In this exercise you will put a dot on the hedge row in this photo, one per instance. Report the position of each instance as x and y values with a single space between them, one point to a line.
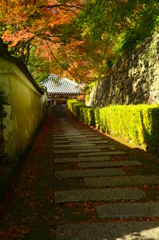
137 123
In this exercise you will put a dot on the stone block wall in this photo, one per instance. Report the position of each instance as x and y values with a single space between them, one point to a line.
134 78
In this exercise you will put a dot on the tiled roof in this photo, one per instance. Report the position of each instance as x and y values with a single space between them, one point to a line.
60 85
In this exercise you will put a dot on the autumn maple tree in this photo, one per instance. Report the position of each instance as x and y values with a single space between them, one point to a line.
77 38
42 31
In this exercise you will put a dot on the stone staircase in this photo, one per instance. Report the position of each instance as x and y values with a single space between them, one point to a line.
117 195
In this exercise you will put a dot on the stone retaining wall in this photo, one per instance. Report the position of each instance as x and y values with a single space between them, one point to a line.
134 78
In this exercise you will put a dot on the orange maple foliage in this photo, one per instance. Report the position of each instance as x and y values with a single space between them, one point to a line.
44 25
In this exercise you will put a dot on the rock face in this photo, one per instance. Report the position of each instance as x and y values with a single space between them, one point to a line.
134 78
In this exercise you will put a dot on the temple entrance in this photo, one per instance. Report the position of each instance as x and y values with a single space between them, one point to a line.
59 99
60 89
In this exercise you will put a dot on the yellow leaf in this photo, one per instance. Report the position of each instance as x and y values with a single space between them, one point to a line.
62 234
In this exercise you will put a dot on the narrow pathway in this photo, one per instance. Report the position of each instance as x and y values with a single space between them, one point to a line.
83 186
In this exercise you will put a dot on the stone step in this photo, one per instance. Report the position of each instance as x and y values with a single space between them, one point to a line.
109 164
101 153
89 173
64 130
84 141
77 151
85 136
109 231
68 141
59 138
77 138
98 195
76 147
82 159
73 130
91 142
72 135
85 130
62 141
128 210
121 181
67 135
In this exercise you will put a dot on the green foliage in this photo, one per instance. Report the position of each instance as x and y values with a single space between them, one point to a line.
110 63
82 40
118 44
88 90
38 66
141 128
145 23
68 30
87 97
90 86
124 24
3 103
82 112
97 118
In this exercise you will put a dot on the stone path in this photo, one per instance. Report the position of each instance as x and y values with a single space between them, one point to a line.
93 159
122 181
76 150
82 159
98 195
101 153
109 231
109 164
89 173
79 184
129 210
92 141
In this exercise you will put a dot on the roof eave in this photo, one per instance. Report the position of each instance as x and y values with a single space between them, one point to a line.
4 53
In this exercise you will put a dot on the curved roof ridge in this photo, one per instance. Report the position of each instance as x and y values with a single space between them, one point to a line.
61 86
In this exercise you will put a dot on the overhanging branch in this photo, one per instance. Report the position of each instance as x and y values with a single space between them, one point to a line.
60 5
59 62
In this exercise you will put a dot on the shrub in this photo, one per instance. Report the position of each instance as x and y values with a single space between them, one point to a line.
138 123
82 112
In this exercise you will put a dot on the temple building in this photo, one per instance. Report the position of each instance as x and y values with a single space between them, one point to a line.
60 89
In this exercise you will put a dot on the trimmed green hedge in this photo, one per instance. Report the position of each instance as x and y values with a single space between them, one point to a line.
82 112
138 123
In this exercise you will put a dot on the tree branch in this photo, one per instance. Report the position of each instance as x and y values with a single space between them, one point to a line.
67 10
60 5
59 62
77 72
25 3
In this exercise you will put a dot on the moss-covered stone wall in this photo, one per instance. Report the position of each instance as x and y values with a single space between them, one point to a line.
134 79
